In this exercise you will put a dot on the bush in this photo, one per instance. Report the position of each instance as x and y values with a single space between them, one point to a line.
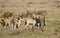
29 2
28 13
41 12
7 14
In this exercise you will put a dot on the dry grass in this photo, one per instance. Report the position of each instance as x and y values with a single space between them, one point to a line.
51 7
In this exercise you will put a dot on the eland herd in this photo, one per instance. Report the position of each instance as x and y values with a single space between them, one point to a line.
15 22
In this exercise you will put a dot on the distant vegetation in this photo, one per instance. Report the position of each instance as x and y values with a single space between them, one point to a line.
57 3
43 2
30 2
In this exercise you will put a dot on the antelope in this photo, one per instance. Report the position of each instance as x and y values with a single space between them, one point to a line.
2 21
20 19
35 20
38 21
14 22
7 21
29 21
17 21
42 19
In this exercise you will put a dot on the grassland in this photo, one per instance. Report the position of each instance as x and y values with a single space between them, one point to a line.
52 28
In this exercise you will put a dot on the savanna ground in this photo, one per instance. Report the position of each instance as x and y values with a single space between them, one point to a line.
52 8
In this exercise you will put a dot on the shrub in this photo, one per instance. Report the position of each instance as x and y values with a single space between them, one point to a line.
28 13
7 14
43 2
29 2
41 12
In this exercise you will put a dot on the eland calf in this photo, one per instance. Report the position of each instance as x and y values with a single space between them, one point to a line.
42 20
29 21
17 21
7 21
